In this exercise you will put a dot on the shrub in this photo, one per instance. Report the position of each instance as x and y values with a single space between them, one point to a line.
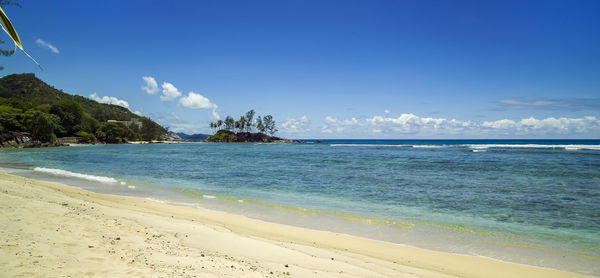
86 137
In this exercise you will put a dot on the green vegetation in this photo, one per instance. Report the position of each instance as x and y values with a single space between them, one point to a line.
240 130
265 124
269 124
29 105
11 51
26 87
116 133
8 27
70 114
86 137
41 125
222 136
259 125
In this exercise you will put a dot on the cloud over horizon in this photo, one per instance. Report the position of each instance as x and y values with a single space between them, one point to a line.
43 44
109 100
177 124
410 124
296 125
570 104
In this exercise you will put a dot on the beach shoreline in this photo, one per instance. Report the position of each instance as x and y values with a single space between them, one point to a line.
50 228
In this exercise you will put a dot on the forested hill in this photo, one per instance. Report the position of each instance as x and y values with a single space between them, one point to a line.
30 106
30 89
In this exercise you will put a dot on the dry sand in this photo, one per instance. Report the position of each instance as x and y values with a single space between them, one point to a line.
52 230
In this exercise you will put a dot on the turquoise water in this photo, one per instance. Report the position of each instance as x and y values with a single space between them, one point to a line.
484 197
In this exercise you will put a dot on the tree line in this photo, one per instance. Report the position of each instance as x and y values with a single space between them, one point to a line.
67 118
246 123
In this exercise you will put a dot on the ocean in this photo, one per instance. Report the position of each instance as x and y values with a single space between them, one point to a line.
526 201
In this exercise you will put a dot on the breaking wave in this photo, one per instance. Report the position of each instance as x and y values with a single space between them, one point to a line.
64 173
481 146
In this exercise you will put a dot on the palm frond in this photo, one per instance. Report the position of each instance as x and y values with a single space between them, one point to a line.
10 30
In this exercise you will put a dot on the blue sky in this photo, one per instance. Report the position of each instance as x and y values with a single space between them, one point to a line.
330 69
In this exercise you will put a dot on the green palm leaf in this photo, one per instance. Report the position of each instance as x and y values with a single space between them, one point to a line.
10 30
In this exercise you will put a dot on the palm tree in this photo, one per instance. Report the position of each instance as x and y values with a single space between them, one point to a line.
229 123
219 124
249 119
242 122
259 125
212 126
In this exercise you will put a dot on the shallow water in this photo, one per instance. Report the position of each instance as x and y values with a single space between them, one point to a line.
528 201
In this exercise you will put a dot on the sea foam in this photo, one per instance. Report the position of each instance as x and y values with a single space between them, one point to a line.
64 173
533 146
480 146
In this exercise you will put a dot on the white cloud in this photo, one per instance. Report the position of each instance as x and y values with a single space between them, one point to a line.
169 92
546 126
386 111
44 44
413 124
198 101
151 87
410 123
571 104
296 125
177 124
138 112
110 100
335 125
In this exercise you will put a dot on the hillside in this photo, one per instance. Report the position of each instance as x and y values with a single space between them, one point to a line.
39 112
30 89
192 137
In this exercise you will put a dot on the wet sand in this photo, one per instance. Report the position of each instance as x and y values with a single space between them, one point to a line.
52 230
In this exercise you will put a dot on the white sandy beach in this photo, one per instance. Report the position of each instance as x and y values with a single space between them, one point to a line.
52 230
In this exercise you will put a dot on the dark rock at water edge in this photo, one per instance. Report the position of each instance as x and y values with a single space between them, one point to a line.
225 136
14 139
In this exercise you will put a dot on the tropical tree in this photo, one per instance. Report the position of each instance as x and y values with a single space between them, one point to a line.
241 124
229 123
269 124
249 120
219 124
259 125
88 124
150 130
9 119
41 125
115 133
70 114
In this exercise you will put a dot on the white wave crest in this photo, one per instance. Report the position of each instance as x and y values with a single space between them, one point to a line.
368 145
482 146
59 172
431 146
533 146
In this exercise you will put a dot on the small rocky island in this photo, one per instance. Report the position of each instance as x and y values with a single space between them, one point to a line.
232 131
226 136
